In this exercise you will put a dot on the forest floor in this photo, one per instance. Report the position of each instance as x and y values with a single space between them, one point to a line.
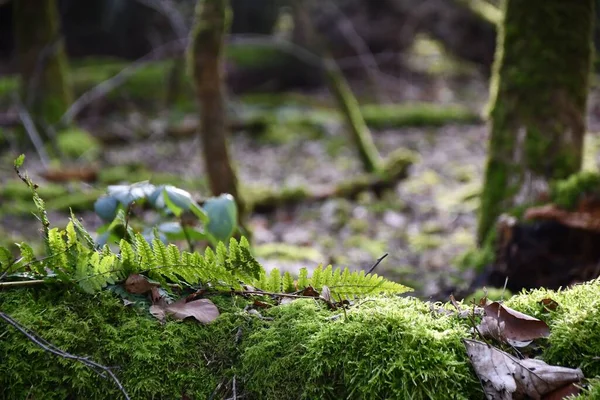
425 224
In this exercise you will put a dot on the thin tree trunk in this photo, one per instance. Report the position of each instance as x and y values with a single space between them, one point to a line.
206 60
538 101
45 87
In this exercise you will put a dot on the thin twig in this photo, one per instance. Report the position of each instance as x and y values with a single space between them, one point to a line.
234 389
32 132
377 263
49 347
102 89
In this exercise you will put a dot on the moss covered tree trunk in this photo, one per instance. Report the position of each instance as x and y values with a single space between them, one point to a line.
42 61
207 66
538 101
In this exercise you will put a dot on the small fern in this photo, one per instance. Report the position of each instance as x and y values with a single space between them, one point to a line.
343 284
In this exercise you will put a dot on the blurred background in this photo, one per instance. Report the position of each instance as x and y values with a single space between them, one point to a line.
123 109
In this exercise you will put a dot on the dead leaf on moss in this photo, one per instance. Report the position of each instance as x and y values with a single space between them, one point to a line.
505 324
138 284
505 377
549 304
203 310
310 291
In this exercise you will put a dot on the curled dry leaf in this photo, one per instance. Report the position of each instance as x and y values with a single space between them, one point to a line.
203 310
138 284
504 323
504 377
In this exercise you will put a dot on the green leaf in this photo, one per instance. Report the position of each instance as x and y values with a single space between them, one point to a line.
19 161
126 194
222 214
177 200
6 257
106 207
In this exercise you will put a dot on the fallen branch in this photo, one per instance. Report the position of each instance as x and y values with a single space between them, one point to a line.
99 369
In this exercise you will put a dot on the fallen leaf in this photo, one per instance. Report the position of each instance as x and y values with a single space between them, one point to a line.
310 291
203 310
326 293
504 323
138 284
504 377
549 304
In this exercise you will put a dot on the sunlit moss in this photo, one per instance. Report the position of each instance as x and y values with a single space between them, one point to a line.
415 114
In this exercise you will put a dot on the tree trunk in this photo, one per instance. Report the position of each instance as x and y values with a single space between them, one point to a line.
206 58
538 102
45 87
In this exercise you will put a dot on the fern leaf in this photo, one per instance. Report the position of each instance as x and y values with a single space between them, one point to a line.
274 281
288 283
144 252
71 234
58 261
316 280
82 233
328 276
303 278
128 259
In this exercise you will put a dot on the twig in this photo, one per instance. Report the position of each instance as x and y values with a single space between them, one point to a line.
105 87
49 347
234 389
377 263
366 58
32 132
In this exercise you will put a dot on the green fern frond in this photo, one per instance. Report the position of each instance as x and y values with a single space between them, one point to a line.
275 281
303 278
288 283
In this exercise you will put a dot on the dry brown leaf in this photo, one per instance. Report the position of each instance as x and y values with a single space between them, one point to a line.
310 291
203 310
504 377
504 323
549 304
138 284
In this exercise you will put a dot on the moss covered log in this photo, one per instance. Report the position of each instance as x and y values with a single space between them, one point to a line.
42 61
382 347
538 101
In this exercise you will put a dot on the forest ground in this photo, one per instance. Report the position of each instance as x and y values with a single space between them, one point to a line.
425 224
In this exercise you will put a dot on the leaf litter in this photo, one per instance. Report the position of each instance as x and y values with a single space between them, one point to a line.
505 377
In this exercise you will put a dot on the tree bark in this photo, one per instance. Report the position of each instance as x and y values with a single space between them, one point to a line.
206 60
45 87
538 102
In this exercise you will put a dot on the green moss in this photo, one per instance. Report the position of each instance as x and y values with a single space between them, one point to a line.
15 189
78 144
381 347
61 200
285 251
574 337
385 348
153 360
566 193
415 114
